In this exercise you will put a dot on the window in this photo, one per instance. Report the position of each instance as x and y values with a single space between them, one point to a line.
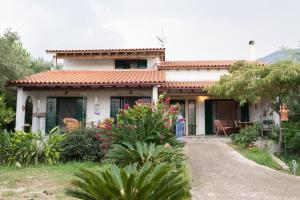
131 64
116 103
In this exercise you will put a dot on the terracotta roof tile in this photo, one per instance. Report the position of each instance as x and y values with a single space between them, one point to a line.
92 78
217 64
186 84
105 50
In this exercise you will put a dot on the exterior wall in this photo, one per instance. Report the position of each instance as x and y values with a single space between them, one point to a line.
103 99
194 75
261 111
91 64
99 64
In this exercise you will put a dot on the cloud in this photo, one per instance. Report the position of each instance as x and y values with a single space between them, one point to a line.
195 29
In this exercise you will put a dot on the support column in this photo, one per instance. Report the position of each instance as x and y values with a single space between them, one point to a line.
154 93
20 109
200 115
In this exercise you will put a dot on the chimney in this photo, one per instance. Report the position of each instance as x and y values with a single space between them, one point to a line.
252 51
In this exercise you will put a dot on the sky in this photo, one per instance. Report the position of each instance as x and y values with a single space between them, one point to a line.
194 29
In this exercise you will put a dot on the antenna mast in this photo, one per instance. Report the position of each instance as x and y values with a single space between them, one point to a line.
161 40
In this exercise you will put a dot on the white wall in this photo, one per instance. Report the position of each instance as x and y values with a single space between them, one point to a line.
194 75
91 64
103 96
98 64
262 111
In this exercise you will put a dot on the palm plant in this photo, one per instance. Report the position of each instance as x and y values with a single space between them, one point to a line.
130 183
142 152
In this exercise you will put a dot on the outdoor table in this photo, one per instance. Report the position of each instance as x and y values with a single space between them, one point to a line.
245 124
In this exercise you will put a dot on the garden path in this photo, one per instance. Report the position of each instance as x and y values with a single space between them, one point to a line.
218 172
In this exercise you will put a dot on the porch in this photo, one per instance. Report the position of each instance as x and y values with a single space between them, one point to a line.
201 111
89 106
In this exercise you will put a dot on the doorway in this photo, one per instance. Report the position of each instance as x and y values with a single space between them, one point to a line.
59 108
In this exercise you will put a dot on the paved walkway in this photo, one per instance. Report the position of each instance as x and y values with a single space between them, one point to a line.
220 173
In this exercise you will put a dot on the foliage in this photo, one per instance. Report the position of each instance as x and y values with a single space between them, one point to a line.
6 114
260 156
142 122
33 147
4 143
130 183
14 59
15 62
249 82
247 135
292 131
142 152
81 144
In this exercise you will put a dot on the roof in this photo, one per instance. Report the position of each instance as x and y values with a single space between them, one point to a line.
109 53
198 64
106 50
187 84
71 78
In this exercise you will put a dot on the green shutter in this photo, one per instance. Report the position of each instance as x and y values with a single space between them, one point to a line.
51 118
208 117
80 110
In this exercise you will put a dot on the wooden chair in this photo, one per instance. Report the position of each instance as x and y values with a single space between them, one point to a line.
222 126
71 124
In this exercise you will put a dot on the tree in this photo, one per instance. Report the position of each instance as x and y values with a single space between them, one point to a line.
14 59
16 62
246 82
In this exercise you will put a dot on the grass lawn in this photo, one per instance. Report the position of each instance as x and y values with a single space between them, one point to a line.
41 181
260 156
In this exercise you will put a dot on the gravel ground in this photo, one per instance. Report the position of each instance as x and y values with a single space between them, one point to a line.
220 173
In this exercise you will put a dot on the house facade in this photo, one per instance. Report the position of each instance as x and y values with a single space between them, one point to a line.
95 84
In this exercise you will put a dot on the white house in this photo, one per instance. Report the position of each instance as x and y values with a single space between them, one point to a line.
95 84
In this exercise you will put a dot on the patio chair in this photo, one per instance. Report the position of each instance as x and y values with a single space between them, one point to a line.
222 126
71 124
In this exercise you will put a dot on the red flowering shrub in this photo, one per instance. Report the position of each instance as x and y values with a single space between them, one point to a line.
142 122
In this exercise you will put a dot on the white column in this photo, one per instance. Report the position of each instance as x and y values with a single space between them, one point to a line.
20 109
154 93
200 116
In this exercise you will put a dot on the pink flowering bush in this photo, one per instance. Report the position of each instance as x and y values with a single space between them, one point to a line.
144 122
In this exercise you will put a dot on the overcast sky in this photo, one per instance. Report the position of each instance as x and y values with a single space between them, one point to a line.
194 29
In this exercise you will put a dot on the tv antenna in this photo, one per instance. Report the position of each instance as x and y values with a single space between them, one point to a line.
161 40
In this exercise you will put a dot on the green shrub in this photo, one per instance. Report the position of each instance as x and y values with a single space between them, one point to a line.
33 147
142 122
4 143
142 153
292 130
247 135
130 183
81 144
7 114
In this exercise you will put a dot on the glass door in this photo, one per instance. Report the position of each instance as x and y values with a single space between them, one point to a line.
192 117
